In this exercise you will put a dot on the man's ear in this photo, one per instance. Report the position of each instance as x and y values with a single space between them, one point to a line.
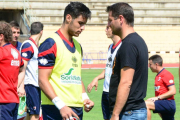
68 18
41 32
157 64
121 19
1 37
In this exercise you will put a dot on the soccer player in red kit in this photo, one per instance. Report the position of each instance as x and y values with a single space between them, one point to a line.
163 102
10 66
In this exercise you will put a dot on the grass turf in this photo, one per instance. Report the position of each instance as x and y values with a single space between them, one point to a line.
96 113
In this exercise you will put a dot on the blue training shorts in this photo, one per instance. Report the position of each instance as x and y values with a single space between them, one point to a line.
33 99
50 112
105 105
166 108
8 111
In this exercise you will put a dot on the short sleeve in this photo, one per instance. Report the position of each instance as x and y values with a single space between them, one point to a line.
27 51
128 55
47 54
168 80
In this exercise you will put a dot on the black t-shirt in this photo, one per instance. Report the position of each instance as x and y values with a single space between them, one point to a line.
133 53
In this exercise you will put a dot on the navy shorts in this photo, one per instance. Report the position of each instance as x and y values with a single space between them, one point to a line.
8 111
33 99
166 108
50 112
105 105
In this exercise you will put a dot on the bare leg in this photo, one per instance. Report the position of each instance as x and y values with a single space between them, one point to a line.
31 117
34 117
148 114
150 106
27 117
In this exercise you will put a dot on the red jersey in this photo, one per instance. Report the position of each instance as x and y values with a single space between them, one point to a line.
163 80
10 63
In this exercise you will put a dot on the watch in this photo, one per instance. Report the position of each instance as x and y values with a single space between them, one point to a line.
158 97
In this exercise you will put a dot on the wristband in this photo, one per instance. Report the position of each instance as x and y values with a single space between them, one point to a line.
58 103
158 97
84 96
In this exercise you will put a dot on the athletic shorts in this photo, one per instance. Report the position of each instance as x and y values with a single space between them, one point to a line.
50 112
105 105
8 111
166 108
33 99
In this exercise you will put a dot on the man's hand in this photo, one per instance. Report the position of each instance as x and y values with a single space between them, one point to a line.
114 117
88 105
92 84
21 91
153 99
67 113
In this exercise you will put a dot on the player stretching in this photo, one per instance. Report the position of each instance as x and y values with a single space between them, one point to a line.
163 102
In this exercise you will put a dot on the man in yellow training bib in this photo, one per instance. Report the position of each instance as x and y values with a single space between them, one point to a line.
59 60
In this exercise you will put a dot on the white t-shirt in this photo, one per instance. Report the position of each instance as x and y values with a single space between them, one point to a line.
109 65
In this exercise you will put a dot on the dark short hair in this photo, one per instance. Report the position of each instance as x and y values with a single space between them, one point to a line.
36 28
5 29
14 24
123 9
156 59
75 9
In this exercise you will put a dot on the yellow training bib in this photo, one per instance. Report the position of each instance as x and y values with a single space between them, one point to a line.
66 75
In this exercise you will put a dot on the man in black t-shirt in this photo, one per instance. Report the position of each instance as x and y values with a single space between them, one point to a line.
128 82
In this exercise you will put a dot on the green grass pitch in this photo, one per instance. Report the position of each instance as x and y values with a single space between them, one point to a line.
96 112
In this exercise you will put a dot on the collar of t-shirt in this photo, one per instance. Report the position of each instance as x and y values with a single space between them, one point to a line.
6 44
160 71
114 46
71 44
33 41
129 35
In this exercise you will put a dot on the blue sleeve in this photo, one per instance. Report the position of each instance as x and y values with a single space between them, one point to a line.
27 51
47 54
